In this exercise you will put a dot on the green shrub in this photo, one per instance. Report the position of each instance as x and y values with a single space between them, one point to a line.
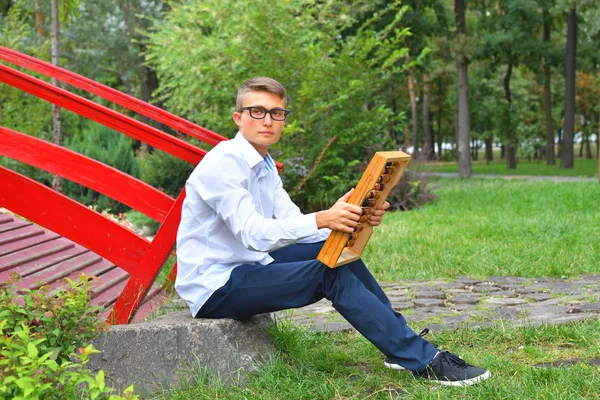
44 344
109 147
165 172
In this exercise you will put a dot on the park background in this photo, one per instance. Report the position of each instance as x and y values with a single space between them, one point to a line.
364 76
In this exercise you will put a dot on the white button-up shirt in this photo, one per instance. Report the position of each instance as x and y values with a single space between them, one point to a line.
235 212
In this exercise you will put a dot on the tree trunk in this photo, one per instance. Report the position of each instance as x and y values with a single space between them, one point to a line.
56 111
440 139
566 160
550 159
40 20
427 131
393 130
489 150
464 134
511 161
415 119
588 149
406 138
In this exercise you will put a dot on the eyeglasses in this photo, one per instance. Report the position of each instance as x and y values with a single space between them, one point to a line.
257 112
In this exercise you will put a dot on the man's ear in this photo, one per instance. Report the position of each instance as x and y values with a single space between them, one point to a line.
237 118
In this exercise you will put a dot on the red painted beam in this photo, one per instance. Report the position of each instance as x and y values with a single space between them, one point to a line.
85 171
101 114
68 218
139 283
112 95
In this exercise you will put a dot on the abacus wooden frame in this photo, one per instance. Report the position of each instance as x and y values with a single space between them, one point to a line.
335 251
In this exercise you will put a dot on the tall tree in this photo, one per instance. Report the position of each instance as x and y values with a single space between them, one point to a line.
57 137
566 159
414 113
462 63
550 156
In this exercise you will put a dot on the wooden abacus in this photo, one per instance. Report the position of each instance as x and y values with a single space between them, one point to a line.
382 174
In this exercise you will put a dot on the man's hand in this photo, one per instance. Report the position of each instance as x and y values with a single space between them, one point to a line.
376 215
341 216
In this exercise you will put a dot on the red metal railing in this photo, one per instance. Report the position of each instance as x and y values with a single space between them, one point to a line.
140 258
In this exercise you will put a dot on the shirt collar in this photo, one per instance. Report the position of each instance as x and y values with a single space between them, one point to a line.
253 157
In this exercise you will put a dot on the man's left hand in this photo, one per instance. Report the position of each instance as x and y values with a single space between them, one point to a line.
376 215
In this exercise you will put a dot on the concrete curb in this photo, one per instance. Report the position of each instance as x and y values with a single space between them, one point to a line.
177 349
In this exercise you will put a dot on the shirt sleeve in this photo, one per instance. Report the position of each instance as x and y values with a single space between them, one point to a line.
284 206
223 185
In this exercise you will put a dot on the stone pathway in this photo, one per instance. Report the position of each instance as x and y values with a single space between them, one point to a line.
474 303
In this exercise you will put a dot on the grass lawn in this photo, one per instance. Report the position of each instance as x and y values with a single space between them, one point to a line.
489 227
476 228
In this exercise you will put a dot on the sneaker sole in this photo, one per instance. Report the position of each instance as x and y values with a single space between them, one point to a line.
394 366
466 382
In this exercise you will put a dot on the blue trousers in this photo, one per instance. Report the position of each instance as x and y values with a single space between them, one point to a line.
296 279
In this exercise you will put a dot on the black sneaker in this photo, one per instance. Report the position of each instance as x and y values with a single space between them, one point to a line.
451 370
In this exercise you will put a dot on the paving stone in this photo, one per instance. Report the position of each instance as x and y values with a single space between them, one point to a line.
592 307
505 293
430 295
465 299
508 313
462 307
402 306
507 279
467 281
455 291
509 286
527 290
429 311
428 303
485 289
538 296
399 299
397 292
504 301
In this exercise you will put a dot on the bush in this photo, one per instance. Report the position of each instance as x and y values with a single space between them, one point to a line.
109 147
44 344
165 172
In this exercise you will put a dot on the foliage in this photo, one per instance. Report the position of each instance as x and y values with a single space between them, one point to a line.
109 147
334 82
18 110
165 172
44 346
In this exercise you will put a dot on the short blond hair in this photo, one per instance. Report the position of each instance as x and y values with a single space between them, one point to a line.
260 84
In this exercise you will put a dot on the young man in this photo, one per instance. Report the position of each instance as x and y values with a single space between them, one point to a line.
244 248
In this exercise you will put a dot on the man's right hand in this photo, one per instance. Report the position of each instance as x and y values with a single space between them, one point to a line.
341 216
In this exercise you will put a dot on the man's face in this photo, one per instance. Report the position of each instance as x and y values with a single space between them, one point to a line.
261 133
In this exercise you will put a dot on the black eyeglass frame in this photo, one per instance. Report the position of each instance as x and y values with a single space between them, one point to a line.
285 112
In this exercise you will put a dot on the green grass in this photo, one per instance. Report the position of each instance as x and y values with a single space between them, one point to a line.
489 227
548 362
582 167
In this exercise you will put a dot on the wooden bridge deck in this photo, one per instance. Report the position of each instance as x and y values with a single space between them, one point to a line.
42 257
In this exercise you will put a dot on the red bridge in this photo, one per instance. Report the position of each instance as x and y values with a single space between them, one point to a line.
76 239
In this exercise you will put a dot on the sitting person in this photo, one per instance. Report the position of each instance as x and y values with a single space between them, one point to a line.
244 248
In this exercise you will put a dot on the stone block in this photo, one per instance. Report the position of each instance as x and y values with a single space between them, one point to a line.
172 349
